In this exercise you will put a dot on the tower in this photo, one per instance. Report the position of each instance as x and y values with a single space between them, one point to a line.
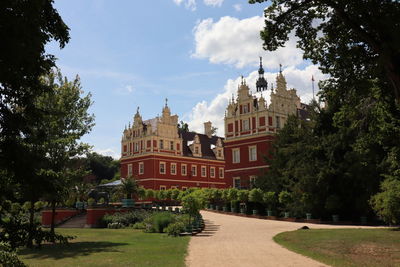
261 83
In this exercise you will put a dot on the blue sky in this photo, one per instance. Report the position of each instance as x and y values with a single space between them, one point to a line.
137 53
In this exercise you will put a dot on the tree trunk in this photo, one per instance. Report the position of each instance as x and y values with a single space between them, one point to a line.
31 225
53 217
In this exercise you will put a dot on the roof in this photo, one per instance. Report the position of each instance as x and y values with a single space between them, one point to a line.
205 141
115 183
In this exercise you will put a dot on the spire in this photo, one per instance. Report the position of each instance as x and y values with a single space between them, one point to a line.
280 68
166 102
261 84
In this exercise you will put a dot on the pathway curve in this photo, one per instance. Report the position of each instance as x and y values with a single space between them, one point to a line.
239 241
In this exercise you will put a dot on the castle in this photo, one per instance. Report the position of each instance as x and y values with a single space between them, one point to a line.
161 156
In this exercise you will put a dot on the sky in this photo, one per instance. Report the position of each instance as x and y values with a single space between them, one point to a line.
131 54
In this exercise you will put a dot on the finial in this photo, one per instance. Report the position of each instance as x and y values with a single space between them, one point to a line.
129 125
233 98
242 78
280 68
260 62
166 102
244 81
272 87
137 110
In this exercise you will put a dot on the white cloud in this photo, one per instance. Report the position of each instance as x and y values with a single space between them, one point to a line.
233 41
213 2
125 90
108 152
189 4
215 110
237 7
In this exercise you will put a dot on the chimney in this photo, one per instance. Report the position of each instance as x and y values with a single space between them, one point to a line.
207 129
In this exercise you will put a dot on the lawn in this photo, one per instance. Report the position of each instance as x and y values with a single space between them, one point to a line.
110 247
346 247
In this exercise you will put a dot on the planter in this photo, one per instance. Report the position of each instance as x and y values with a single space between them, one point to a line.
177 210
335 218
287 214
270 213
234 210
170 209
127 203
225 209
363 219
255 212
212 206
216 207
308 216
242 210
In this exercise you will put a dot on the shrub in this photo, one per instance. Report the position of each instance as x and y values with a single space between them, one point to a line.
139 225
91 201
270 199
125 218
256 195
161 220
115 225
8 257
174 229
243 195
285 198
387 203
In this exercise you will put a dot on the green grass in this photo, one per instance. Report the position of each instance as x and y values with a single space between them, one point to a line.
110 247
345 247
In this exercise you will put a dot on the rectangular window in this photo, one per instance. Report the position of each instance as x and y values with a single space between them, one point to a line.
184 188
236 155
136 147
262 121
196 150
162 167
278 122
148 143
161 144
219 153
171 145
230 127
183 170
236 182
203 171
129 170
245 109
252 181
194 170
212 172
163 187
174 187
173 168
252 153
221 172
141 168
246 125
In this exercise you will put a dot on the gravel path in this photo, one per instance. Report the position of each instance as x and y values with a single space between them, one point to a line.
239 241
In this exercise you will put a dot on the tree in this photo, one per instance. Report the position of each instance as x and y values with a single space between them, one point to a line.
348 39
103 167
26 26
387 202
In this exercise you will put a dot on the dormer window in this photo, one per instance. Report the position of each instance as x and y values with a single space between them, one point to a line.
196 150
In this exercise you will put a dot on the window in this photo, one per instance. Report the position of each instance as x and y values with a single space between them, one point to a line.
219 153
278 122
184 188
161 144
252 153
183 169
174 187
194 170
203 171
129 170
171 145
212 172
245 109
196 150
141 168
162 167
246 125
221 172
236 155
236 182
163 187
136 147
252 181
173 168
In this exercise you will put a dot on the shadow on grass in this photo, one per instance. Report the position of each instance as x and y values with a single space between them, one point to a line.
75 249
